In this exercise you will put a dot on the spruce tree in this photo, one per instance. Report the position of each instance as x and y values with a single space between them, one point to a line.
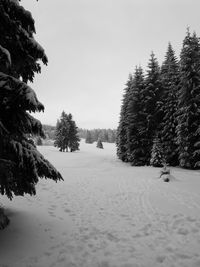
21 165
66 137
188 129
152 103
88 139
121 137
99 143
59 142
170 83
73 134
136 121
157 155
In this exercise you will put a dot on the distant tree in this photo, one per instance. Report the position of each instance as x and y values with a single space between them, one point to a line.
104 135
73 135
49 131
99 143
170 83
96 133
111 136
88 138
21 164
188 129
121 139
66 136
59 133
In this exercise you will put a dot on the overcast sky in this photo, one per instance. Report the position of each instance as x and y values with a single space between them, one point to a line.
93 45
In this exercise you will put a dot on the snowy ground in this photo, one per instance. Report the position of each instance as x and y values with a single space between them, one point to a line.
105 214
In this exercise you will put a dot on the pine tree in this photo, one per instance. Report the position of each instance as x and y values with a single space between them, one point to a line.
121 138
157 156
21 165
88 138
136 121
73 135
170 83
66 136
188 129
99 143
96 134
152 103
58 136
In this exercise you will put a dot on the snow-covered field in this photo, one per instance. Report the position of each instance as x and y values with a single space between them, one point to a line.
105 214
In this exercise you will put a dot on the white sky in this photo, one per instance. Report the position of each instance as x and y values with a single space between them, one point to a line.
93 45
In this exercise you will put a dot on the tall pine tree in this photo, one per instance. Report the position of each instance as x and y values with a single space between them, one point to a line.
170 83
136 121
21 164
152 103
73 134
188 129
121 138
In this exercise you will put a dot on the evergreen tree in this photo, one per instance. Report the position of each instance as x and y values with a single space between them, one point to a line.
58 136
99 143
188 129
170 83
88 138
157 156
96 134
112 136
136 121
104 135
73 135
21 164
66 136
121 138
152 103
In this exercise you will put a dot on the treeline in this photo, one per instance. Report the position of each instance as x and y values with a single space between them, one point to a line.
106 135
49 131
160 112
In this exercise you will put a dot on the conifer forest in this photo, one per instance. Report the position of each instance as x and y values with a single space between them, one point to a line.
160 112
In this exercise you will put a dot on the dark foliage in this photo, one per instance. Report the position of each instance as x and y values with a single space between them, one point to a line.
188 129
153 103
21 164
170 83
136 121
66 136
121 139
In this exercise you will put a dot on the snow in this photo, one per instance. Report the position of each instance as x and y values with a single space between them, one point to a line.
105 214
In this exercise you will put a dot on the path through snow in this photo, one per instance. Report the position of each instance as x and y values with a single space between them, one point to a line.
105 214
